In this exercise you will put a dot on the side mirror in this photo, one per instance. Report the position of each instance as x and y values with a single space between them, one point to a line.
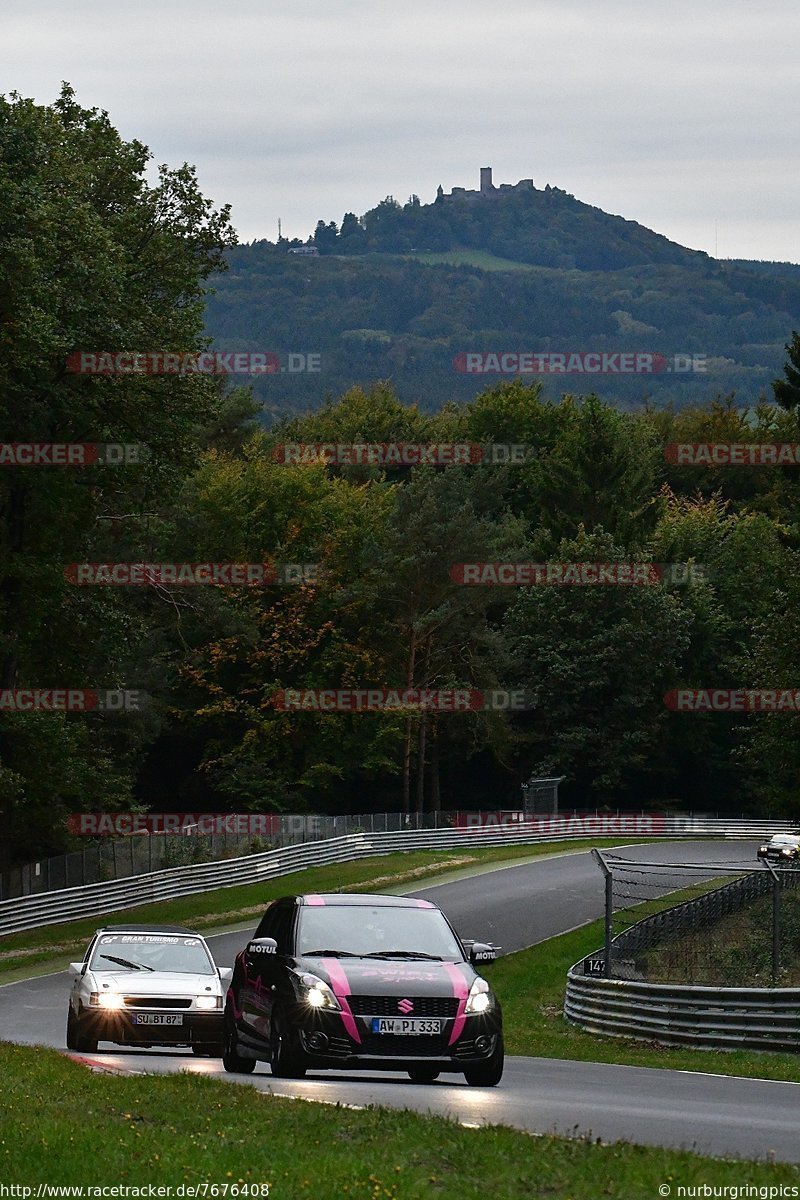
482 952
76 970
226 975
260 947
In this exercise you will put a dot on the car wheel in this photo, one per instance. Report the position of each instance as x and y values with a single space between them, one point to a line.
423 1074
286 1057
76 1038
232 1060
489 1073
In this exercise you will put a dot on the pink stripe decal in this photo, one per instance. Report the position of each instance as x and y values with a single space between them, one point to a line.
423 904
461 991
315 901
340 988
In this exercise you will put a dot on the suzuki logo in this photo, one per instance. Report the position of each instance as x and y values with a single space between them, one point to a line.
405 1006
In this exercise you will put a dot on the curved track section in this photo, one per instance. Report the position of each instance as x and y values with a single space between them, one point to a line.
515 906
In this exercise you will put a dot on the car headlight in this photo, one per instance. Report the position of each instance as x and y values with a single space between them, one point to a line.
110 1000
787 853
315 992
479 999
208 1002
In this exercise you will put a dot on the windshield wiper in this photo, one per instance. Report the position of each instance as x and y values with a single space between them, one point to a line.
125 962
403 954
329 954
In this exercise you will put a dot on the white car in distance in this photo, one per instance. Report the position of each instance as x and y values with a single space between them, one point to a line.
147 985
782 847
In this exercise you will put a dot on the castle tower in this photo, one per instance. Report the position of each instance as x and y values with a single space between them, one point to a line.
486 180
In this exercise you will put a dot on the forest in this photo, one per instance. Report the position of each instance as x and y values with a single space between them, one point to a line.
350 573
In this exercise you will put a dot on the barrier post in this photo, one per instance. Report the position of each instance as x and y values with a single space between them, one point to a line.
609 907
776 921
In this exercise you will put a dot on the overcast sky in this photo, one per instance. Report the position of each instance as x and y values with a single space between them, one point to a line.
682 116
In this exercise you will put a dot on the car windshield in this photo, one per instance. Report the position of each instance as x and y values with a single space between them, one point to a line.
381 931
785 839
147 952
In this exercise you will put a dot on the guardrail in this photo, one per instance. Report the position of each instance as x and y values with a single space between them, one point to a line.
234 835
681 1014
96 899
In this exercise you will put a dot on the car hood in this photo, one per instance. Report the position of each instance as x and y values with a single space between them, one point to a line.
377 977
158 983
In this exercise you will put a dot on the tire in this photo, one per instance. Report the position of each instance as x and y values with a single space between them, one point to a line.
76 1038
286 1058
423 1074
489 1073
232 1060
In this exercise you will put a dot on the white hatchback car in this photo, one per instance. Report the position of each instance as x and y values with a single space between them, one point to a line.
146 985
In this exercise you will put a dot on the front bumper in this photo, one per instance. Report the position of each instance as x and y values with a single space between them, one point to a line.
123 1028
387 1052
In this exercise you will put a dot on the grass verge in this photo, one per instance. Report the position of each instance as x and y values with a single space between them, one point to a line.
97 1130
531 986
52 945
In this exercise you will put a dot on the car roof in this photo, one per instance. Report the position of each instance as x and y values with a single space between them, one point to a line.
358 900
148 929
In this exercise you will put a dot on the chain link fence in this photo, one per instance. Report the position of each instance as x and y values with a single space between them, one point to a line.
104 859
728 924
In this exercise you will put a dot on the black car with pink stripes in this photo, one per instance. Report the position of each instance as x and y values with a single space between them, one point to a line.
354 982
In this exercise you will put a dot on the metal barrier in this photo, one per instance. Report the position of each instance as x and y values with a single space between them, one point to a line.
759 1018
681 1014
31 912
109 858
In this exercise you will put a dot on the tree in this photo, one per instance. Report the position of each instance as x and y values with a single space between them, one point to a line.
787 391
92 259
437 633
596 661
325 237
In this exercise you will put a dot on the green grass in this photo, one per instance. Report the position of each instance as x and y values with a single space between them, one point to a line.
471 258
21 954
531 984
97 1129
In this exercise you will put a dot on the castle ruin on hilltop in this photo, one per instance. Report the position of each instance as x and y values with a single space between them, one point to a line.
487 190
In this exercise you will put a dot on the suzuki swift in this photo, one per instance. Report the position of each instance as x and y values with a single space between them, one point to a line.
353 982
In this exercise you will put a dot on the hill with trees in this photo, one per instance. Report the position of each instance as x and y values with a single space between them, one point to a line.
99 257
403 292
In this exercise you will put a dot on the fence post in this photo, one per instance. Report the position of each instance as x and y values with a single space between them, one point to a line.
609 906
776 921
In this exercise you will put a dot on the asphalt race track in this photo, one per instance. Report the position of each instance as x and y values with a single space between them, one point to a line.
515 906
